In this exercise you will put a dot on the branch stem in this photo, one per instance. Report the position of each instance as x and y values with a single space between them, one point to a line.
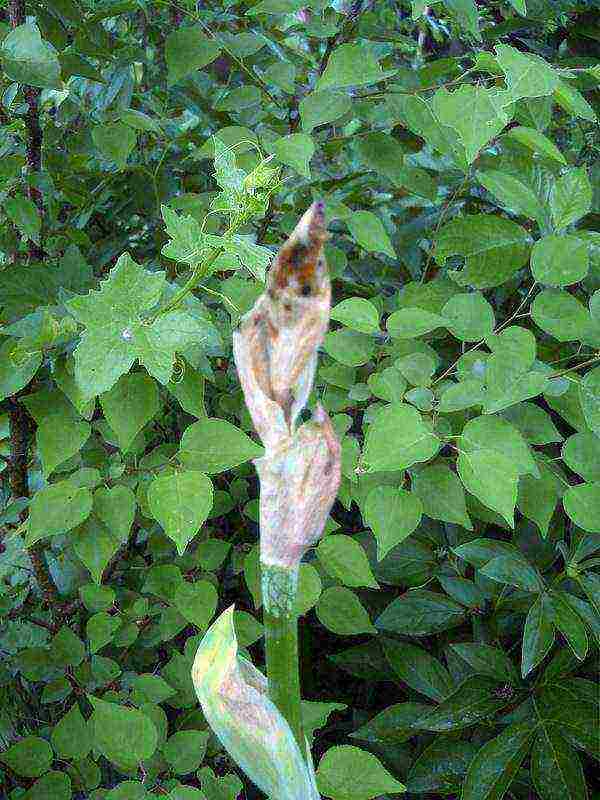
279 591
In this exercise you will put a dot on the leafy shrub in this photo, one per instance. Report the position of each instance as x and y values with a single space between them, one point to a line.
153 157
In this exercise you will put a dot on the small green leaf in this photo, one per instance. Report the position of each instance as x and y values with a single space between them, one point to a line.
213 445
571 198
367 231
589 395
348 773
71 737
352 65
184 751
344 559
295 150
100 629
392 514
197 602
123 735
358 314
15 371
29 59
23 213
115 506
537 142
115 141
492 478
538 636
56 509
418 669
469 316
397 438
349 347
556 770
181 503
559 260
496 764
582 504
28 757
321 108
188 49
513 193
442 495
581 453
474 699
129 405
560 314
340 610
410 323
420 613
568 623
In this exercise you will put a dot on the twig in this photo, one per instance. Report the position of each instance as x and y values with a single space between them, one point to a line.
566 371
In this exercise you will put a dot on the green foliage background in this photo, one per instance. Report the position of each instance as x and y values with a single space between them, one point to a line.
451 615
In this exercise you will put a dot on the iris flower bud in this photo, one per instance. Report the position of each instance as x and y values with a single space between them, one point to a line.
233 696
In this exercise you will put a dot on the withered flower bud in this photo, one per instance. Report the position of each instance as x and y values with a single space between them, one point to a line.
298 485
275 347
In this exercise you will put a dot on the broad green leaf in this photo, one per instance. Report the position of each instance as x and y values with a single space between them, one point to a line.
181 503
150 689
575 718
129 405
496 764
442 495
197 602
184 750
441 767
421 613
29 59
515 571
492 478
493 248
315 715
95 544
581 453
410 323
321 108
533 422
479 551
476 698
388 384
537 142
23 213
418 669
100 630
56 509
340 610
556 770
466 13
352 65
560 314
392 514
527 75
309 589
29 757
349 347
358 314
115 506
70 737
473 113
582 505
538 497
398 438
55 785
213 445
469 316
188 49
188 389
569 623
487 660
513 193
462 395
295 150
344 559
493 433
393 725
573 101
589 395
348 773
16 371
60 438
123 735
538 636
367 231
115 141
571 198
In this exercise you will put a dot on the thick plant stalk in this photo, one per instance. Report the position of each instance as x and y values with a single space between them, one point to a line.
275 350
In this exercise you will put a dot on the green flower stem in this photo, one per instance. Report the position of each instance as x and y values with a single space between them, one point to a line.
279 590
198 273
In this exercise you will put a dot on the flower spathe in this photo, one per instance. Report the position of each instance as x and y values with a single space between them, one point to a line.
233 696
